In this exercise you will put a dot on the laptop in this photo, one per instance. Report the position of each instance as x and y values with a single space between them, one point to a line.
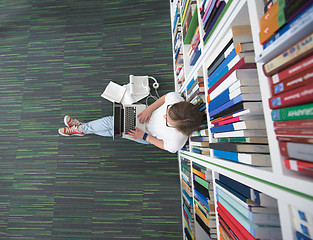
125 118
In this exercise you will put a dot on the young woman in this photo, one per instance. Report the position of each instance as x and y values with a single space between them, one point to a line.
169 122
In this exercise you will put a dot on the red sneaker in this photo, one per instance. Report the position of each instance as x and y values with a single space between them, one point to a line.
70 131
70 122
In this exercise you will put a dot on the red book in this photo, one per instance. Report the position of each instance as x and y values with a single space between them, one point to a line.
239 65
295 139
300 151
298 96
293 82
306 123
227 229
294 132
299 166
291 71
233 223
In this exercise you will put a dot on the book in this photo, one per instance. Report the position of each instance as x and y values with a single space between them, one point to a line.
299 166
244 140
241 133
284 15
256 196
301 215
245 202
235 113
256 218
290 56
254 159
247 124
251 93
256 230
308 123
300 25
114 92
293 113
241 64
297 68
303 227
301 236
298 139
210 23
301 95
295 132
232 59
237 147
301 151
248 107
228 221
293 82
238 119
238 78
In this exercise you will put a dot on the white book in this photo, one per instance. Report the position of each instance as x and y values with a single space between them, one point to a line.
303 227
241 133
114 92
302 215
242 76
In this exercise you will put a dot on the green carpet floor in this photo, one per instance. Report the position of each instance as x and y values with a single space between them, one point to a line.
56 57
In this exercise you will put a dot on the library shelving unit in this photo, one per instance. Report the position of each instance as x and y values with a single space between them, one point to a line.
289 188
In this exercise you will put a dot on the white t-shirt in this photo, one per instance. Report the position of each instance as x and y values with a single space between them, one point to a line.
173 139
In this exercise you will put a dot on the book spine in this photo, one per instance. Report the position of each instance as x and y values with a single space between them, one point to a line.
299 166
297 51
301 95
293 82
294 124
300 151
293 70
294 139
293 113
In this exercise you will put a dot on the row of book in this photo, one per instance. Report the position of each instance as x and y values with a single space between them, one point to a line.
187 199
245 213
234 101
205 224
282 18
178 48
290 76
211 12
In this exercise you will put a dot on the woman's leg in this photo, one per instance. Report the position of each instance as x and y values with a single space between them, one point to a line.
102 127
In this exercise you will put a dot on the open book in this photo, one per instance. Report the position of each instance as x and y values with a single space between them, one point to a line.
114 92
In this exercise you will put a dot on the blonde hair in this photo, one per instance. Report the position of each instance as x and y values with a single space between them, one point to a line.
186 116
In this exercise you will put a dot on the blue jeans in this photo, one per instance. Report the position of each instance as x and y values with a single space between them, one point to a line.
104 127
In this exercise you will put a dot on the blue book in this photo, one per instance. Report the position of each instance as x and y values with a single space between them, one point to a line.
217 15
255 159
228 104
188 197
257 218
219 100
195 56
301 236
202 199
227 60
295 23
190 84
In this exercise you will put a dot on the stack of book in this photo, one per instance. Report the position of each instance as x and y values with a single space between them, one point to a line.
291 79
234 101
211 12
205 224
187 201
245 213
195 90
282 18
303 223
191 33
177 48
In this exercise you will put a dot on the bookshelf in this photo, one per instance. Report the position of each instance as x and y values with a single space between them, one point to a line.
289 188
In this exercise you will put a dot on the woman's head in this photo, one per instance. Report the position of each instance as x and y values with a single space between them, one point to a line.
184 116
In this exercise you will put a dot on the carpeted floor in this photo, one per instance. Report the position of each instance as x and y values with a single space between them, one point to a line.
56 57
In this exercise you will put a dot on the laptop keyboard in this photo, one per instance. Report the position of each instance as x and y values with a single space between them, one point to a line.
130 118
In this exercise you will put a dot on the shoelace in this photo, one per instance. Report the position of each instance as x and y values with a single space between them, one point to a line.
71 130
74 122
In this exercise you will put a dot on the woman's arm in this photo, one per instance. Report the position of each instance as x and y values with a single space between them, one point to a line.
138 133
145 115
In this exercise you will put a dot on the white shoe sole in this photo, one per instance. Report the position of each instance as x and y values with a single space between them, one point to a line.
66 135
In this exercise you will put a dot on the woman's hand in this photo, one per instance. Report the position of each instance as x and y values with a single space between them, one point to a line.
136 134
145 116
